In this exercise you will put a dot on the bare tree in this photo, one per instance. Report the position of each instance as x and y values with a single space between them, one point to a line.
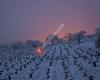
97 31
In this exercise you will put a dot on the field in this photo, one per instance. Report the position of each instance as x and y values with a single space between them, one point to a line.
61 61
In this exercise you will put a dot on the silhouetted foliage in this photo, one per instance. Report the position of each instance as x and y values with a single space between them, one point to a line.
97 31
98 43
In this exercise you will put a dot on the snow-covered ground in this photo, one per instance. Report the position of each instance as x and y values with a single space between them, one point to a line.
62 61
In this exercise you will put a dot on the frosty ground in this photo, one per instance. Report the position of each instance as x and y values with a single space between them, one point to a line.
61 61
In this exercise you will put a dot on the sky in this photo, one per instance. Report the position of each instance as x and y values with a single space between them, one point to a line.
35 19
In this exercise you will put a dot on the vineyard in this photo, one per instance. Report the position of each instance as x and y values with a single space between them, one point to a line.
61 61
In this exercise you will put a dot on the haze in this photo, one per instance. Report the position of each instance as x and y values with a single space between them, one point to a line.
35 19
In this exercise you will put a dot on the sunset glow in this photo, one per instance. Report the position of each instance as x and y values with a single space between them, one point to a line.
29 19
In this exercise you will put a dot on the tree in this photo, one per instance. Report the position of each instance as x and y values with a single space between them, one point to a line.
17 45
33 43
97 31
49 37
80 36
69 36
52 39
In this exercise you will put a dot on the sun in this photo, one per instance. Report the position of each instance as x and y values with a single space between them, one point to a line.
39 51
